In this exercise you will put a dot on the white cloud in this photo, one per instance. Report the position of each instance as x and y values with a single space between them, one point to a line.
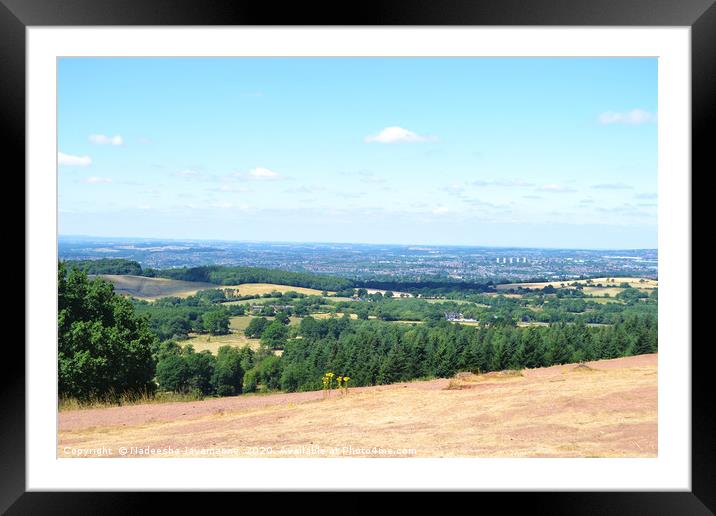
101 139
396 134
556 188
454 189
633 117
263 174
232 188
350 195
516 183
306 189
370 177
612 186
73 161
440 210
94 180
225 205
187 173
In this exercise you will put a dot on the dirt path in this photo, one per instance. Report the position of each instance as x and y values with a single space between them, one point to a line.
606 409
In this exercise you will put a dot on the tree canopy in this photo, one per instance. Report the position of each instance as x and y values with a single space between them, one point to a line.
104 348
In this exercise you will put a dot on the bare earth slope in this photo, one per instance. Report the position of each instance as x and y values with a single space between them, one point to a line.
152 288
608 409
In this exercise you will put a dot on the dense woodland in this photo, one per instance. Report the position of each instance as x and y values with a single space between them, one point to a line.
110 345
222 275
373 352
106 266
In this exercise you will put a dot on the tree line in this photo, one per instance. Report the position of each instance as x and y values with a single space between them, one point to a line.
227 275
374 352
106 266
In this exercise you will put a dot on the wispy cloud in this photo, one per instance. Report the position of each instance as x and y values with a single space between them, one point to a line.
225 205
232 188
304 189
623 209
350 195
649 195
73 161
454 189
101 139
264 174
395 134
370 177
187 173
481 204
555 188
612 186
440 210
633 117
510 183
95 180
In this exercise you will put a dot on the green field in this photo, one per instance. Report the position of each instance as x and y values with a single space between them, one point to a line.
236 338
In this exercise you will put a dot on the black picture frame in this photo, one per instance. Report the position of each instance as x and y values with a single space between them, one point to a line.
700 15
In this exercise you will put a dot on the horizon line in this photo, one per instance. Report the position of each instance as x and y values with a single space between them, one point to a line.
60 236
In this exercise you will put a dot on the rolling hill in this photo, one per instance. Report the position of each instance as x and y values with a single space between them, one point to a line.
142 287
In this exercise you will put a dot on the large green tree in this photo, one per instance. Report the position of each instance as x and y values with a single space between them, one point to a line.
104 349
228 374
274 335
216 322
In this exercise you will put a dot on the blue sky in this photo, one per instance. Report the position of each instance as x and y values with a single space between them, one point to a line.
534 152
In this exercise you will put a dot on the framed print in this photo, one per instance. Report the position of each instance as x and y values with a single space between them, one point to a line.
417 249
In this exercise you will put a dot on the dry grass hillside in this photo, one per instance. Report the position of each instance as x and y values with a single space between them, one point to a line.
599 409
614 283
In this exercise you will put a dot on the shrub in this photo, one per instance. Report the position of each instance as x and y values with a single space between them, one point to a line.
228 375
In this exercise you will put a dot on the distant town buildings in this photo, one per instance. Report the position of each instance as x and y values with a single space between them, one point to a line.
258 309
512 259
457 317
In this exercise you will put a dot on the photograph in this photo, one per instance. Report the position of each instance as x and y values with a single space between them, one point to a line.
366 257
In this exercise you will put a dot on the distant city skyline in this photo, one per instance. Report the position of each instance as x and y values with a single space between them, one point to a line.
493 152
